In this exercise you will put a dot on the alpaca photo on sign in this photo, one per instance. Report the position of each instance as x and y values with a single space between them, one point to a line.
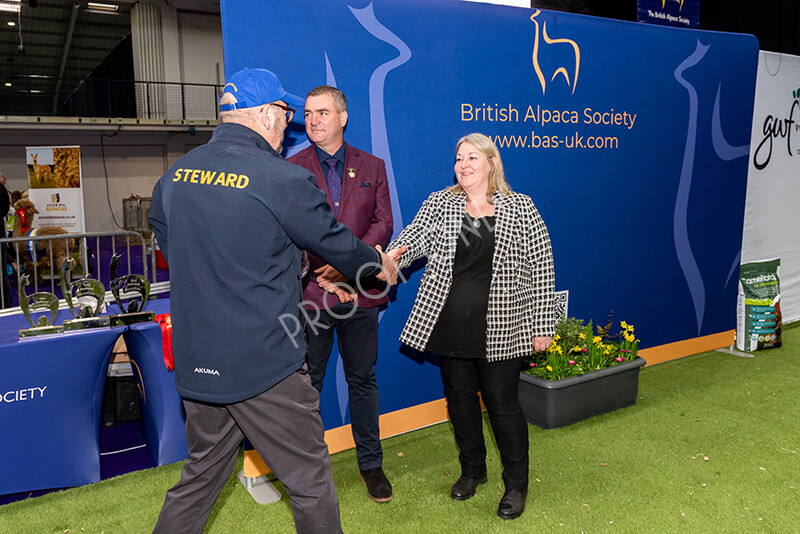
40 171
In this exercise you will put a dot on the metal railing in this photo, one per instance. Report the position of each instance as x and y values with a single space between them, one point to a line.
46 96
94 261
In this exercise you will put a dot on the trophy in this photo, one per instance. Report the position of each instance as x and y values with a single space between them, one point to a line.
130 283
90 294
38 302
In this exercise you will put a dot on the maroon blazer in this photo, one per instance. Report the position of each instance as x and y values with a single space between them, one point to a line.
365 208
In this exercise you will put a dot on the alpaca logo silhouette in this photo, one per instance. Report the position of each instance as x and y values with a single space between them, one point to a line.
575 56
664 3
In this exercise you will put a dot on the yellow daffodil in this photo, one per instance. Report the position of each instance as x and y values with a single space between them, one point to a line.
597 339
581 336
549 368
624 325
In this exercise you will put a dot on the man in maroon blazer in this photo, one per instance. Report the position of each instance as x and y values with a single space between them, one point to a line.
357 190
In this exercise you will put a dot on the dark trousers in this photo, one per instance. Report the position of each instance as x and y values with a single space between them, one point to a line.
285 426
357 333
6 300
498 383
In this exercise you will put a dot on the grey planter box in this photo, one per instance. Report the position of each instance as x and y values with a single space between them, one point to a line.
558 403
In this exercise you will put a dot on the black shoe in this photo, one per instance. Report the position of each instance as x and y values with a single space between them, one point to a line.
379 488
464 488
512 504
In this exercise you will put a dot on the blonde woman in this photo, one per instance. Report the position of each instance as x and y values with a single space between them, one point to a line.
486 299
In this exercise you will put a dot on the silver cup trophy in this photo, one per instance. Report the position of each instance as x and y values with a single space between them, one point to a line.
85 297
135 284
38 302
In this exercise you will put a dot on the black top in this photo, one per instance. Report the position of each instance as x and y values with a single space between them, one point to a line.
461 328
5 204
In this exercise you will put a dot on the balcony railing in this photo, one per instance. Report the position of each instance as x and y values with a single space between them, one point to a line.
48 96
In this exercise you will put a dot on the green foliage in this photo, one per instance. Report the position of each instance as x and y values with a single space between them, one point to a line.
576 350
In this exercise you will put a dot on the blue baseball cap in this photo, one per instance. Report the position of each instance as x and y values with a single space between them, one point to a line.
256 87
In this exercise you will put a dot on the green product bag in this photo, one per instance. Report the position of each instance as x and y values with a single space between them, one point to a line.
758 309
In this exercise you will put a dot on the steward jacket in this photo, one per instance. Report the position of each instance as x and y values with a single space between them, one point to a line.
522 290
229 217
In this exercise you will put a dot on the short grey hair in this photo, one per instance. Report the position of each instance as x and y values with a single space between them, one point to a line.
338 96
243 115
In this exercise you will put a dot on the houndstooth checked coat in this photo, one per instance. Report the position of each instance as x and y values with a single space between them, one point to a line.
522 291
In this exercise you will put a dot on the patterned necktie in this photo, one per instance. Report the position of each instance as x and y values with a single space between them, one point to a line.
334 183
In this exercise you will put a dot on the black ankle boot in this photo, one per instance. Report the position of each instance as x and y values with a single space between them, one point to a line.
464 488
512 504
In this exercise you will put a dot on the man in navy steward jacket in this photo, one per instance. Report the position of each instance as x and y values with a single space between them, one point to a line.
229 217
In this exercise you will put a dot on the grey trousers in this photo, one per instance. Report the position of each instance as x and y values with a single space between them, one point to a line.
285 427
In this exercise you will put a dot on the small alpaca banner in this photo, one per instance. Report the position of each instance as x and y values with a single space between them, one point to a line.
55 186
678 13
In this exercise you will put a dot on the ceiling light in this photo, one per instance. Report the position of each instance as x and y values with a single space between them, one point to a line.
8 84
11 23
10 5
97 6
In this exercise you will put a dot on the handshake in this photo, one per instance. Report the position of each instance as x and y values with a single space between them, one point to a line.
332 281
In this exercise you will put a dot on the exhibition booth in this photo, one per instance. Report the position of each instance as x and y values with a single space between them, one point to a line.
634 141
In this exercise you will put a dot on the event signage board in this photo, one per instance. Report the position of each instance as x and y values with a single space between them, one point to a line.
773 189
55 186
631 139
678 13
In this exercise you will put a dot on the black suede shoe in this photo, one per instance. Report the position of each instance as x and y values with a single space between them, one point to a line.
464 488
512 504
379 489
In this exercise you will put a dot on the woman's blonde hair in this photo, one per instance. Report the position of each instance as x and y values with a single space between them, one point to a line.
497 178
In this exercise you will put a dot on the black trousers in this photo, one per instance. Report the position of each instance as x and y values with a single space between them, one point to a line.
498 383
357 331
6 301
285 426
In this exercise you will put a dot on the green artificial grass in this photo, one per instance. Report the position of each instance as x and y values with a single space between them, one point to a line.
712 445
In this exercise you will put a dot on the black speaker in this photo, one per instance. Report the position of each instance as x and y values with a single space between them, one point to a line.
121 400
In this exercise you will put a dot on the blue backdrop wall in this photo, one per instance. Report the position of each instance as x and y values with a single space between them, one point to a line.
631 139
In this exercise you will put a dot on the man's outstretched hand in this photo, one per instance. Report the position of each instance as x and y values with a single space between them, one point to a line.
389 262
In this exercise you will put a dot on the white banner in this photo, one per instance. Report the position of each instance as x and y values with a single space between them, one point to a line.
55 186
772 217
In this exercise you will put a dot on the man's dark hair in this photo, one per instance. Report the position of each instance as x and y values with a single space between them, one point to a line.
338 96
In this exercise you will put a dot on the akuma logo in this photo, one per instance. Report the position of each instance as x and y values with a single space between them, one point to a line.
573 55
774 128
204 371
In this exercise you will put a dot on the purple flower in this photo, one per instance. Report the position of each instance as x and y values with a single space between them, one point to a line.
571 362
